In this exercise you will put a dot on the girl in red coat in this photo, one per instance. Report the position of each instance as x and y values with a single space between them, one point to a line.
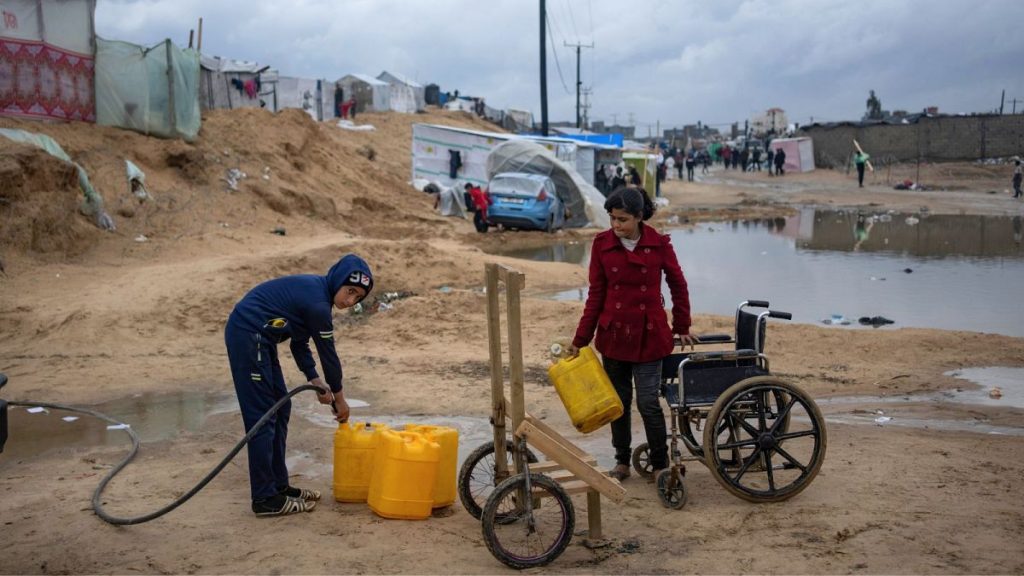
626 308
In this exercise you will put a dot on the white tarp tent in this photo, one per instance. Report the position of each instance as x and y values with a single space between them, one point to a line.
230 84
407 95
316 97
585 203
369 93
799 153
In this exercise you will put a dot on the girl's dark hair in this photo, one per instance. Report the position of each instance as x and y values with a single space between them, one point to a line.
632 200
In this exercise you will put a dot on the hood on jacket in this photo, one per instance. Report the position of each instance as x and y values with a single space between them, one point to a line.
351 269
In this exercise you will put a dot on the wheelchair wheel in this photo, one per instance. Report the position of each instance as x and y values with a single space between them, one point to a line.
765 440
642 460
477 476
520 531
671 489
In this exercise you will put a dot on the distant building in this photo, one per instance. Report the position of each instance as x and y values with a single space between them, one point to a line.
773 120
599 127
696 131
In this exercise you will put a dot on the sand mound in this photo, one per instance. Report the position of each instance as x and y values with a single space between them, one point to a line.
248 167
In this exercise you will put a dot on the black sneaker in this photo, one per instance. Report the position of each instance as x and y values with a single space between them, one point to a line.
281 505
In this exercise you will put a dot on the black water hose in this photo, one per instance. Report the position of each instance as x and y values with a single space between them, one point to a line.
97 506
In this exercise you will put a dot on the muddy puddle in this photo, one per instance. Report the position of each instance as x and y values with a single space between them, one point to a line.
951 272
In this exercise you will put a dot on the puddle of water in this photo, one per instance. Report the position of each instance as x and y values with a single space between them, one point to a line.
153 417
824 262
1009 381
972 426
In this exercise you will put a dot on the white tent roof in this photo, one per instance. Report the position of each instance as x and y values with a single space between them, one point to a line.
363 78
388 76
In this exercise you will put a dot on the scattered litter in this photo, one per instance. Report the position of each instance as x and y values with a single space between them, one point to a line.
882 279
885 217
353 403
392 296
350 125
836 319
141 238
882 420
912 221
995 392
266 172
37 410
357 309
445 289
280 231
384 307
69 418
661 202
118 427
233 176
875 321
908 270
225 225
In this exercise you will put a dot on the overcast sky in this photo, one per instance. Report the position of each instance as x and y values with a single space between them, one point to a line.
657 62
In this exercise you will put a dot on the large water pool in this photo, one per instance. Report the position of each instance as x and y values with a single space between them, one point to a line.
940 271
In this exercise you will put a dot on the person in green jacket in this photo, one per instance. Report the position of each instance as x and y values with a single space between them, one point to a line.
860 159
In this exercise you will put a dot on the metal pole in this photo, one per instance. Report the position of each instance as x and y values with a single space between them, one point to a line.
543 72
578 84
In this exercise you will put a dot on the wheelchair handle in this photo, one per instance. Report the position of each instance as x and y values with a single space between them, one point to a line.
780 315
757 303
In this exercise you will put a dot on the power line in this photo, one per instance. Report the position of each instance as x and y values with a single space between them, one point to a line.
558 65
572 18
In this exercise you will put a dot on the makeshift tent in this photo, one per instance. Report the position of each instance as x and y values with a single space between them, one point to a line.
150 90
230 84
647 165
370 94
799 153
304 94
406 95
584 202
47 59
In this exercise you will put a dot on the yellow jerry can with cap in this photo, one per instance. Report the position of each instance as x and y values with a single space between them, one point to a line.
355 448
585 390
402 485
447 467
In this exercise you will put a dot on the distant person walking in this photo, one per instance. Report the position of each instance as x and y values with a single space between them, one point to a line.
771 161
726 156
691 161
757 159
780 162
1017 175
860 159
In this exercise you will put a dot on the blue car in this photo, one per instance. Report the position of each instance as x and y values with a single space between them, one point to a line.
525 201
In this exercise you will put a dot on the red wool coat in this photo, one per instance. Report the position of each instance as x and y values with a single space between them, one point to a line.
625 304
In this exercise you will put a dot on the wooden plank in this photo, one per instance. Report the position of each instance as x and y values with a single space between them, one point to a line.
498 404
594 517
510 276
551 466
543 427
515 350
866 162
572 462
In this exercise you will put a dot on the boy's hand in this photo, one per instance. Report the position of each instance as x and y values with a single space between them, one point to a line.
341 409
324 394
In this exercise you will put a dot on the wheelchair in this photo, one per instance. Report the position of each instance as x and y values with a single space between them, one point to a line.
762 438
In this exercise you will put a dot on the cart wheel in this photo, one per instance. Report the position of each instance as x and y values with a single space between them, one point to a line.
765 440
518 530
642 460
671 489
477 476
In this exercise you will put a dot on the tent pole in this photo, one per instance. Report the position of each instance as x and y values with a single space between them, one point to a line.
199 41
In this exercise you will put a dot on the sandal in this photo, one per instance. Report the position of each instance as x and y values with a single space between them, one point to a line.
302 493
620 472
281 505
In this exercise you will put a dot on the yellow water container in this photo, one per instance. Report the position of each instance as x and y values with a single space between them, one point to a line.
355 447
404 477
585 390
447 468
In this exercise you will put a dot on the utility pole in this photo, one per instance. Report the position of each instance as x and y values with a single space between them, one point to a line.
579 83
1002 102
1014 101
586 106
543 72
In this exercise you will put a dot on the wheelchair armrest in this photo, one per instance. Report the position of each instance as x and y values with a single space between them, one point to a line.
706 339
723 355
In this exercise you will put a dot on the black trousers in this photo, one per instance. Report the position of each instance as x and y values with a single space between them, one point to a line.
646 377
860 174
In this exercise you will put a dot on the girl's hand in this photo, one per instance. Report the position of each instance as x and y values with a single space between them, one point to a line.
572 351
690 339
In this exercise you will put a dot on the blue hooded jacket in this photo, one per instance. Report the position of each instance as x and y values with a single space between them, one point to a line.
299 307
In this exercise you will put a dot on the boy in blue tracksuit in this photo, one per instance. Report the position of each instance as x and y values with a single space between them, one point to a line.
296 307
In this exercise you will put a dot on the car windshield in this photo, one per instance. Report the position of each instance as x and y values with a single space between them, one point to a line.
513 185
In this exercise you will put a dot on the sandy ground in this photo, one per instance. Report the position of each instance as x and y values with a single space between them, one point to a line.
90 318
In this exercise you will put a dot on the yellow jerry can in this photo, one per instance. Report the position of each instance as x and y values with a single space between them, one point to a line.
447 468
585 390
403 479
355 447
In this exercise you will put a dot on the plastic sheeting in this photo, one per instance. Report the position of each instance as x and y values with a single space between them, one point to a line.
149 90
799 153
46 59
584 201
93 204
